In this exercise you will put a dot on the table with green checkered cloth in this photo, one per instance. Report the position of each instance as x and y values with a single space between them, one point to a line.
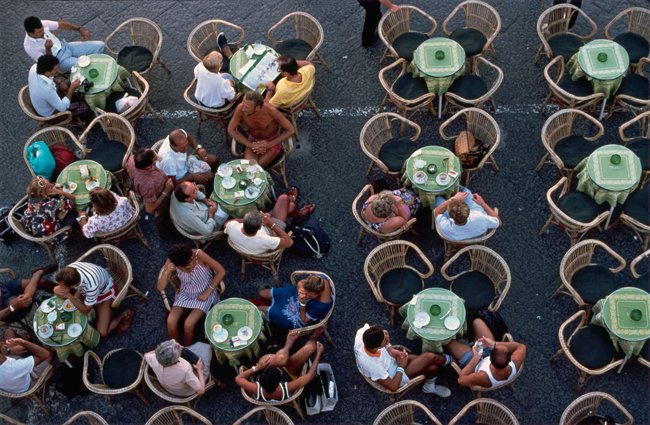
445 160
64 344
605 181
72 174
615 313
244 313
434 335
235 201
606 76
239 60
439 74
110 78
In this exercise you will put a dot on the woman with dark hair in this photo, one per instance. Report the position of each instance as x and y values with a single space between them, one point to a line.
47 206
110 212
277 376
389 210
199 275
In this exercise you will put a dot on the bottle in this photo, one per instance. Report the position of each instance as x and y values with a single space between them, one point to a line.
331 390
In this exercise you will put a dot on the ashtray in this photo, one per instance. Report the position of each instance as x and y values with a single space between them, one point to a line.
440 55
435 310
615 159
636 314
243 183
602 57
227 319
431 168
93 73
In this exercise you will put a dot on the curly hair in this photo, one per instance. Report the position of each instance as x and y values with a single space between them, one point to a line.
458 211
180 254
39 187
382 206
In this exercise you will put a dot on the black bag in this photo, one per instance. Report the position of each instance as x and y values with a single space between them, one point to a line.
309 239
7 235
189 356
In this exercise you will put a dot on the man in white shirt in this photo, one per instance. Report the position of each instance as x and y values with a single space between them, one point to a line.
213 88
15 371
379 361
464 216
193 212
259 232
39 41
175 162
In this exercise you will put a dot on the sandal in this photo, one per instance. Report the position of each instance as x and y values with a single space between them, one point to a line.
304 212
125 324
292 193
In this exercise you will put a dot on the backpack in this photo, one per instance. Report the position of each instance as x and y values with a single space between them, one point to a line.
40 159
309 239
62 156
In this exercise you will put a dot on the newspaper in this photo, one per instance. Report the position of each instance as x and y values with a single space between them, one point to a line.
259 70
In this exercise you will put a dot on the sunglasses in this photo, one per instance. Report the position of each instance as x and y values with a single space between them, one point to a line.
41 182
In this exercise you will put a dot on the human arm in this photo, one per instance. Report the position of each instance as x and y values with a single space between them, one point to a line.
393 384
392 7
84 33
517 350
233 128
270 91
198 367
216 267
201 152
285 239
440 209
64 292
19 303
468 377
243 380
40 354
163 281
488 210
152 206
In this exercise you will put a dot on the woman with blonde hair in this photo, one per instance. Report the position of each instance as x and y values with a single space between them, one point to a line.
110 212
388 211
47 206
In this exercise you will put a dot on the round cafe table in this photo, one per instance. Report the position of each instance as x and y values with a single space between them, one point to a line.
72 174
244 313
110 77
63 343
604 63
235 201
253 68
434 335
445 160
606 181
439 61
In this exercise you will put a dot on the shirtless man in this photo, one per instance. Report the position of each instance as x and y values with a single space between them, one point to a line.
263 122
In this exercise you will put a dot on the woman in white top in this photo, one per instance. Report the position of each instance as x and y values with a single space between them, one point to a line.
110 212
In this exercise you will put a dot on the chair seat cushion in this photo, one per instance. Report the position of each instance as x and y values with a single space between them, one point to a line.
581 88
399 285
636 86
394 152
643 282
471 39
115 96
636 46
574 149
640 146
475 288
469 87
121 368
579 206
636 206
135 58
592 347
409 87
109 154
405 44
565 45
295 47
593 283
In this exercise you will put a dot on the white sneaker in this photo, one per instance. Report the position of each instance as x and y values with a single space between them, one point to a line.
439 390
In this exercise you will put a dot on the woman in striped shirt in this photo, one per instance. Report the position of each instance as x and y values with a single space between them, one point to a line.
199 275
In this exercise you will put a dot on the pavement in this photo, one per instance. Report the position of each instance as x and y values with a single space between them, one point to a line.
330 169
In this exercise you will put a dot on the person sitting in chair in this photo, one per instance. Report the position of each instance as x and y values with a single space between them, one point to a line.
110 212
213 88
464 216
194 213
173 159
17 373
16 296
298 79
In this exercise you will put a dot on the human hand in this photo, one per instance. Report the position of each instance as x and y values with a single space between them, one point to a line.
478 199
199 365
401 361
263 363
202 153
212 210
84 33
259 147
460 196
14 342
204 295
75 84
487 342
267 220
169 185
48 44
62 291
386 337
21 301
319 348
394 8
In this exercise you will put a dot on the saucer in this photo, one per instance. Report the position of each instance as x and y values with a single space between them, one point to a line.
70 187
51 316
258 181
452 323
420 177
245 333
228 182
443 179
421 319
83 61
91 184
252 192
48 306
68 306
420 163
74 330
224 170
45 331
220 336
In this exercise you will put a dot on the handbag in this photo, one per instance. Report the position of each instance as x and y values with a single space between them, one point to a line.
189 356
463 145
309 239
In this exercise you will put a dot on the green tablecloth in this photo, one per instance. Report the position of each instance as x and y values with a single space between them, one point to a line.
60 341
259 73
607 182
605 76
428 190
244 314
439 74
233 201
111 77
71 173
434 335
613 312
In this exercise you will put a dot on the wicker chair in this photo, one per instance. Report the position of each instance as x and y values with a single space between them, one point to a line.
291 111
176 284
581 317
404 413
293 399
587 405
137 32
36 391
298 275
91 418
578 257
54 136
573 227
306 29
635 218
629 27
377 132
452 246
47 242
405 106
138 109
357 211
25 102
22 324
641 278
391 256
565 128
394 396
487 262
632 133
272 416
553 30
220 115
101 388
173 415
119 267
488 411
269 261
492 78
566 92
203 38
395 24
152 382
130 229
199 240
480 20
6 420
633 94
278 165
483 127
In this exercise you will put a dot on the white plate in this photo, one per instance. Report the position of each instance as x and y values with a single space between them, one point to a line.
228 182
68 306
420 177
45 331
258 181
422 318
48 306
74 330
224 170
83 61
420 163
452 323
221 335
443 179
252 192
51 316
245 333
91 184
70 187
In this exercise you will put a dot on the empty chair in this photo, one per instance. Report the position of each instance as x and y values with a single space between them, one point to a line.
25 102
566 92
633 94
574 212
357 210
631 29
203 38
405 412
175 415
86 417
136 43
140 89
479 28
121 371
475 90
641 280
486 411
407 93
53 136
589 348
635 135
556 36
272 416
395 31
635 215
304 37
586 407
6 420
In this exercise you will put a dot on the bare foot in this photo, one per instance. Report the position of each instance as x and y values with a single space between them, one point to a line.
292 336
125 320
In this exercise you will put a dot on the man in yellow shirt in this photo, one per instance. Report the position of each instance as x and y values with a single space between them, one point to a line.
298 78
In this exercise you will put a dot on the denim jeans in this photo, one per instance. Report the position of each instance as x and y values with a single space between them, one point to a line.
70 52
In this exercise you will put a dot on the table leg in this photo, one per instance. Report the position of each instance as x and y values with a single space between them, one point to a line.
611 211
602 110
439 107
623 364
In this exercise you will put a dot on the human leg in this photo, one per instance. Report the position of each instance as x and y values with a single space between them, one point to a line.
204 351
106 323
373 16
457 349
190 324
173 321
298 359
265 293
80 48
427 364
282 207
481 329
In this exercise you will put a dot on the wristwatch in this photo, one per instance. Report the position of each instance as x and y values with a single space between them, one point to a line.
11 308
81 217
198 147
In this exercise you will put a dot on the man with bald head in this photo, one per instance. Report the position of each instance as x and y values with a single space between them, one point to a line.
175 161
